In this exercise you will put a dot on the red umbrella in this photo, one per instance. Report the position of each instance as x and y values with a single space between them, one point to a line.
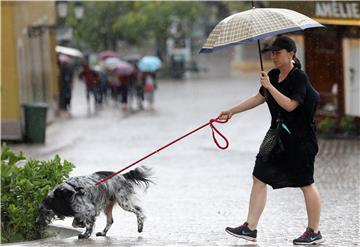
106 54
123 68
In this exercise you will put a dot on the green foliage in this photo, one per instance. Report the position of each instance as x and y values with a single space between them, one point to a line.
327 126
24 184
347 124
135 22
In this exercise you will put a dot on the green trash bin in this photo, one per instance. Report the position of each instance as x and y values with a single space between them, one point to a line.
35 122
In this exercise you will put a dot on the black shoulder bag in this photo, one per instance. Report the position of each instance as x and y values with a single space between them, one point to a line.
272 143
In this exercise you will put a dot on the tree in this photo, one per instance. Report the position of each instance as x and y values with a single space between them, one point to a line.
135 22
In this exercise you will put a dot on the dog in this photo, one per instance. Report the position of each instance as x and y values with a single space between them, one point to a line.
81 198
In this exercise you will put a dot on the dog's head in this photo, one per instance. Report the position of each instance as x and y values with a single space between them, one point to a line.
57 203
46 214
78 222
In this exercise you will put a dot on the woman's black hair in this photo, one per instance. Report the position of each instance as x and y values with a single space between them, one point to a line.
296 62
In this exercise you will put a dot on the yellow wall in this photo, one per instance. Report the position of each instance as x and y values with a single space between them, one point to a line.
9 76
28 68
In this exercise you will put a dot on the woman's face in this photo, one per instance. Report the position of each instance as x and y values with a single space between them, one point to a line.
281 58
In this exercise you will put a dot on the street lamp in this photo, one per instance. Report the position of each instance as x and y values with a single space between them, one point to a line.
79 10
62 7
64 32
62 12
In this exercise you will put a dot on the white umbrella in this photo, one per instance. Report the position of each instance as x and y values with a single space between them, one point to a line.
69 51
253 25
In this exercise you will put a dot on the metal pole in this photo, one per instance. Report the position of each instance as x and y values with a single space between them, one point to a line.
258 42
261 62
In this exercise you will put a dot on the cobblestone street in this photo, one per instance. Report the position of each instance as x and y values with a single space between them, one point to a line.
199 189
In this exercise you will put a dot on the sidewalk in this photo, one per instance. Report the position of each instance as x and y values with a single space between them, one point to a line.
199 188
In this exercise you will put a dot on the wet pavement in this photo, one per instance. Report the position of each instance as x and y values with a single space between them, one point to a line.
199 188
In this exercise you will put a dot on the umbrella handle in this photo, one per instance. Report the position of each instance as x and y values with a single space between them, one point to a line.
261 62
266 92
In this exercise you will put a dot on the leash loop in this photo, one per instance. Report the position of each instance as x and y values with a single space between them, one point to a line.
214 129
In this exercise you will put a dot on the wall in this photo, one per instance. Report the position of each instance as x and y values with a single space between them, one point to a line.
29 72
10 110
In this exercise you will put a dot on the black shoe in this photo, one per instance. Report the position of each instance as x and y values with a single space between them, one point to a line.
309 238
242 231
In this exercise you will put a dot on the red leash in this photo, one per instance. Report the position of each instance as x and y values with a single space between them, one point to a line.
213 129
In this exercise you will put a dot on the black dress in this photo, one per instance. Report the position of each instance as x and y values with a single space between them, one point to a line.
294 165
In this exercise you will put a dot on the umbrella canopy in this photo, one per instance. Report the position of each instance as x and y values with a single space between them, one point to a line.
98 68
149 64
132 58
255 24
123 68
108 54
69 51
111 62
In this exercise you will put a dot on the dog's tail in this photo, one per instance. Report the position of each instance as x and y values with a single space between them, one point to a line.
139 176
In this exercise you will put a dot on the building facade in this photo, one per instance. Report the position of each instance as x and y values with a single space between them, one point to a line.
28 68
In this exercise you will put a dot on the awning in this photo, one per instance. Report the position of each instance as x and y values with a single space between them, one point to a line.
345 22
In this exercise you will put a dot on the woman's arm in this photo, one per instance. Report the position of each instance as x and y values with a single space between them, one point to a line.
285 102
248 104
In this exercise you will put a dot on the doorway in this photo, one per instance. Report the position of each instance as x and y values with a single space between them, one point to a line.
351 58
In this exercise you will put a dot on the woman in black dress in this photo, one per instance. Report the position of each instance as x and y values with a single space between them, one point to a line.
292 103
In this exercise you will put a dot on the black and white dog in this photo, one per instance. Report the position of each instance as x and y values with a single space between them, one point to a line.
81 198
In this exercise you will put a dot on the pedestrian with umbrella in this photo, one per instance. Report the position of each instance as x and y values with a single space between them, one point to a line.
287 153
90 77
66 74
122 71
148 65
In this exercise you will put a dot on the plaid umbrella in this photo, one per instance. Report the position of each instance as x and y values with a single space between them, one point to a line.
253 25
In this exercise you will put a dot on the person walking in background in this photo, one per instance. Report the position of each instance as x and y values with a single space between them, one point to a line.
292 102
149 86
90 77
137 87
66 73
148 65
122 91
102 85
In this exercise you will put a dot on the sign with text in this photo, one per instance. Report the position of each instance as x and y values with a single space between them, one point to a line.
342 10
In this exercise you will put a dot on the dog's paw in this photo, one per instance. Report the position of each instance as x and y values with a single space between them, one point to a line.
83 236
140 228
100 234
141 223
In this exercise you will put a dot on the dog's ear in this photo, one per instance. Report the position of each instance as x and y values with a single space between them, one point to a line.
80 191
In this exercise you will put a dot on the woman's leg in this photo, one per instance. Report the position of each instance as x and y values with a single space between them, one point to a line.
313 205
257 202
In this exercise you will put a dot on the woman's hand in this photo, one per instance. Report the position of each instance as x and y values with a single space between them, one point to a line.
264 79
225 115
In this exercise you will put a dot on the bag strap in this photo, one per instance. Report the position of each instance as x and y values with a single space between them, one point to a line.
279 117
